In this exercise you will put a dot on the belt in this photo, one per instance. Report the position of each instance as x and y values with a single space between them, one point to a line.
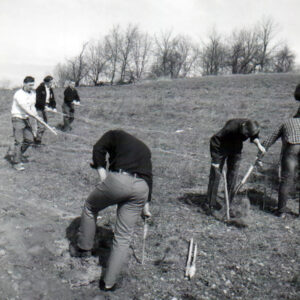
120 171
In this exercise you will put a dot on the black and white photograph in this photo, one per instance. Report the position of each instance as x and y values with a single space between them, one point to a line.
150 150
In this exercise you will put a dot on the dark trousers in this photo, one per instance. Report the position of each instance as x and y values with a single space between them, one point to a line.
23 138
69 115
41 128
289 166
233 164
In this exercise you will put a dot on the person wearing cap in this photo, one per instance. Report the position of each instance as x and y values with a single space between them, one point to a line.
45 101
71 98
128 184
23 107
289 132
226 145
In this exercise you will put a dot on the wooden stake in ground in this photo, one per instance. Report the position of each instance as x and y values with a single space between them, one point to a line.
144 239
226 195
193 266
189 259
190 268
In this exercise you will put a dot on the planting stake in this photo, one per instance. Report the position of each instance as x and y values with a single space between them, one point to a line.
226 195
144 239
188 263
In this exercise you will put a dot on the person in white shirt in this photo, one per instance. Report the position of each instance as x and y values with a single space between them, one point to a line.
23 107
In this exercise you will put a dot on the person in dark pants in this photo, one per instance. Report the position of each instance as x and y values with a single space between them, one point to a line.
45 101
128 184
71 98
227 145
289 132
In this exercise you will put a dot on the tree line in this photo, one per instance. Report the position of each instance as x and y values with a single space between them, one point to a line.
126 55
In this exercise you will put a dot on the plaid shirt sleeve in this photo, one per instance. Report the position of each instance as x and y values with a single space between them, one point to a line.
275 135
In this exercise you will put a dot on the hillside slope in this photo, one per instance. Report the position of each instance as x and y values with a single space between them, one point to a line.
39 207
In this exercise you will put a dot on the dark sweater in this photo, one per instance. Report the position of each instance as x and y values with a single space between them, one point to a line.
41 97
229 140
126 153
70 95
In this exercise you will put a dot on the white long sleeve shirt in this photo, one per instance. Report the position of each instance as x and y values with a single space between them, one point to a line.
27 100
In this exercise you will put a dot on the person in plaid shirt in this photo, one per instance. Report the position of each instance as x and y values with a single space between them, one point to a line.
289 132
297 98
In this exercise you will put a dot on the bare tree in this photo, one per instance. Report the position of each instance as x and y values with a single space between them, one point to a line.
61 74
284 60
243 51
96 61
266 32
174 56
77 66
191 54
111 48
163 49
140 54
213 56
126 48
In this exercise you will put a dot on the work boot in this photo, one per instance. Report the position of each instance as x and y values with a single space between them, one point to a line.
19 167
219 214
75 251
106 289
24 159
9 157
281 215
283 212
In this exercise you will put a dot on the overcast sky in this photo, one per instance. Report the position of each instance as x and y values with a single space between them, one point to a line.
38 34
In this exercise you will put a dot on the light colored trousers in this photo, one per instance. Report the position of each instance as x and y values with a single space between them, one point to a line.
23 138
130 194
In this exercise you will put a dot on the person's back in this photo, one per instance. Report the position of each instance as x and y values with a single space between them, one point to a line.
126 153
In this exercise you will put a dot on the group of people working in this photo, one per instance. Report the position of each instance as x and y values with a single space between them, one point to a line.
36 104
227 144
126 177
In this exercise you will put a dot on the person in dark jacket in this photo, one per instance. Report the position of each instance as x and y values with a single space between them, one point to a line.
71 98
227 145
128 184
45 101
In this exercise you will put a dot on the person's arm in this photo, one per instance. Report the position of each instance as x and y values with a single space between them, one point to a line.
101 148
146 210
273 137
259 146
77 98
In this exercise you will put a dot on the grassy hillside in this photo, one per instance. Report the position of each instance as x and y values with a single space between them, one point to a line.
39 207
